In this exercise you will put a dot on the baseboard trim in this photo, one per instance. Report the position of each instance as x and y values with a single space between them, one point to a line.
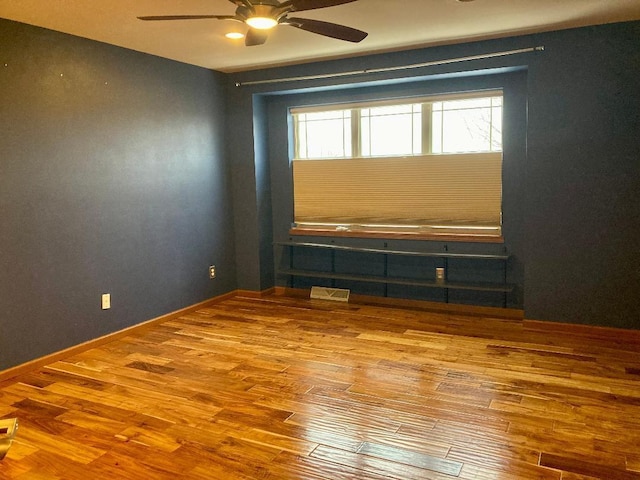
96 342
254 294
583 330
416 304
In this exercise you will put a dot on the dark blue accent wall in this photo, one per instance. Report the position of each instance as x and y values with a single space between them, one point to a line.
571 181
583 178
113 179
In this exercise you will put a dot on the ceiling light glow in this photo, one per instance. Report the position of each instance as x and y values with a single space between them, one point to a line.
261 23
234 35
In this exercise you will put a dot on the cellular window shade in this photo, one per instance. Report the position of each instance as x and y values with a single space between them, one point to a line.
457 193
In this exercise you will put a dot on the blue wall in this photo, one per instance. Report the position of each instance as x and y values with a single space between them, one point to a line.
571 197
113 179
583 178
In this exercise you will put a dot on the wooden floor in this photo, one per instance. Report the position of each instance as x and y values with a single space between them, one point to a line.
283 388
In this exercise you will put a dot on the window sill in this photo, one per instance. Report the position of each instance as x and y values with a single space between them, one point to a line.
444 237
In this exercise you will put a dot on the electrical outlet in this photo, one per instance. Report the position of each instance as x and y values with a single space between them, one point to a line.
212 271
106 301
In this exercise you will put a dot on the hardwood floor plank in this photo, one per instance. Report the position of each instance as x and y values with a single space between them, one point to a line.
576 476
14 466
281 388
288 466
49 465
374 465
633 461
511 471
408 457
582 467
93 422
57 444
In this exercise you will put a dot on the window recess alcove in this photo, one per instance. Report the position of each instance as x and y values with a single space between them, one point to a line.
377 187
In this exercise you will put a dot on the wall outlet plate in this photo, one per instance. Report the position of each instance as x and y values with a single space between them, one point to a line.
212 271
106 301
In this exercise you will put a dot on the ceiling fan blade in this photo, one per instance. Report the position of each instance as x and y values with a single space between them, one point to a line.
301 5
187 17
242 3
327 29
255 37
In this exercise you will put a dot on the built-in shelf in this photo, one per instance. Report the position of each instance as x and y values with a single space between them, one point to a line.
483 287
478 256
502 287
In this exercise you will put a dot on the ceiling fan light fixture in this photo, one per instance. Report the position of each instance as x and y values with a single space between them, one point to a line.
262 17
261 23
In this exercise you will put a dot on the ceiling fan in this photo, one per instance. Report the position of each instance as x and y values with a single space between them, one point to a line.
262 15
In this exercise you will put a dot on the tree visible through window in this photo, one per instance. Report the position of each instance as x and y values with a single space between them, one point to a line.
472 125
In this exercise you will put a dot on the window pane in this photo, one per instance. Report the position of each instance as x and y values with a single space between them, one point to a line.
391 135
469 125
436 129
417 132
325 139
365 135
467 130
496 126
302 140
324 134
390 130
346 134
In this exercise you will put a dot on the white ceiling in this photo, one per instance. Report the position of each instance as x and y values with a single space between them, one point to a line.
392 25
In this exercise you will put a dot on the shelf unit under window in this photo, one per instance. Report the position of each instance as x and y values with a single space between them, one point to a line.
427 281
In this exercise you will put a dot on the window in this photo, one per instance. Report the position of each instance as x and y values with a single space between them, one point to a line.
324 134
430 166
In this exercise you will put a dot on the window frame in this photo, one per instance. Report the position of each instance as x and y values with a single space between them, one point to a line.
356 107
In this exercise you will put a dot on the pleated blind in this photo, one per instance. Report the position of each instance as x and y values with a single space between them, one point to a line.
446 193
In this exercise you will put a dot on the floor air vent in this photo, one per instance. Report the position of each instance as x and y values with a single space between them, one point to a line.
335 294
